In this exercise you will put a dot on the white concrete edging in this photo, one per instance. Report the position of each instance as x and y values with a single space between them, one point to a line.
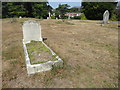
32 69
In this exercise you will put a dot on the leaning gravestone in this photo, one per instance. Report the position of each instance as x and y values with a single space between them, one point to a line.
31 31
106 17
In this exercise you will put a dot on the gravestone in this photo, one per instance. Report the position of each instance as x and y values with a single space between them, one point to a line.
20 17
31 31
69 17
106 17
59 16
53 14
49 15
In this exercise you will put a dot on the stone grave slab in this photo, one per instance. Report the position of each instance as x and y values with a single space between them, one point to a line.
33 44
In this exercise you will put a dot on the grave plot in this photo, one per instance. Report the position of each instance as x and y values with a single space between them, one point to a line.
38 53
39 57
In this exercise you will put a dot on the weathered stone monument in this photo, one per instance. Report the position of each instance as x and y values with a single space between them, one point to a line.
20 17
49 15
69 17
53 14
56 18
32 32
106 17
59 16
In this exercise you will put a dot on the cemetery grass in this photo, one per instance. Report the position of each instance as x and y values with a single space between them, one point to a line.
38 53
89 52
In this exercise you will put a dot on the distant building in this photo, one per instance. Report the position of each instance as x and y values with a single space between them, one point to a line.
72 14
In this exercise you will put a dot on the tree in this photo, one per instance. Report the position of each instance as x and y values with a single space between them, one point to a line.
75 9
15 9
25 9
95 10
62 9
118 10
41 9
4 10
0 9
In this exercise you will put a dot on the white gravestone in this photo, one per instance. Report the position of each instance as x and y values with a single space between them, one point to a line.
49 15
105 17
69 17
31 31
20 17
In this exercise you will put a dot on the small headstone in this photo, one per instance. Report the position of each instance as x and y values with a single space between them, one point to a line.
69 17
49 15
31 31
56 18
59 16
53 14
105 17
20 17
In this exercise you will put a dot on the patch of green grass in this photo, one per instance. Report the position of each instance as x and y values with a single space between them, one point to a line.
39 62
34 45
38 47
61 22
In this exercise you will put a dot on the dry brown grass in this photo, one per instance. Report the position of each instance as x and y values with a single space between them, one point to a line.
88 49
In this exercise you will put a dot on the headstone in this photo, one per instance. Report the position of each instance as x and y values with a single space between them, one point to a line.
31 31
69 17
105 17
56 18
59 16
20 17
53 14
49 15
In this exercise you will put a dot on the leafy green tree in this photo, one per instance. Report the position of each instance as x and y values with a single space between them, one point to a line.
62 9
95 10
29 8
15 9
118 10
26 9
4 10
0 9
74 9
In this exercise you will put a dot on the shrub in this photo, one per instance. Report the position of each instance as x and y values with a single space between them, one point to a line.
83 17
52 17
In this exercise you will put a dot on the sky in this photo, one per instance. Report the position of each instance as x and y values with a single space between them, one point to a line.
72 3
